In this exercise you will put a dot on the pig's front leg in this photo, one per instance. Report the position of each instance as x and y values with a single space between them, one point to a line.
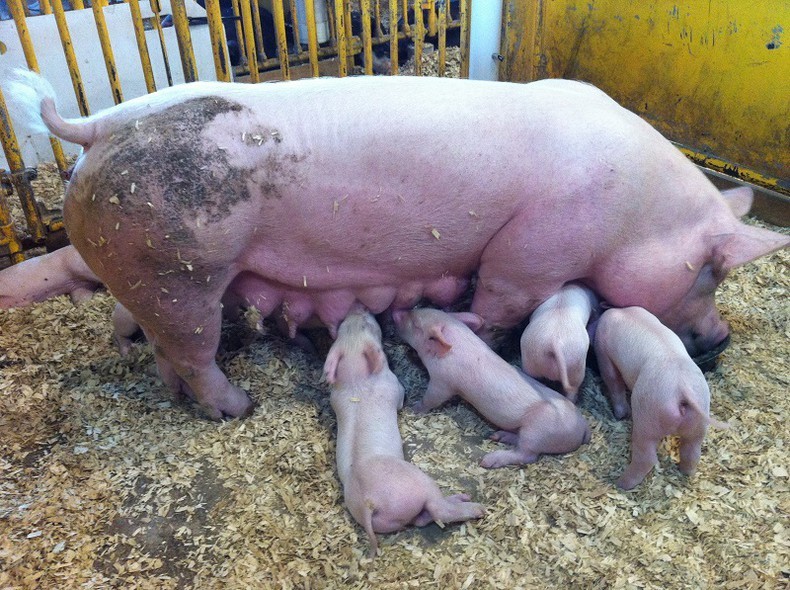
616 388
436 394
505 437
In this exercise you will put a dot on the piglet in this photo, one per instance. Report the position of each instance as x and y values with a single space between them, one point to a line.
533 418
669 394
125 329
383 492
554 344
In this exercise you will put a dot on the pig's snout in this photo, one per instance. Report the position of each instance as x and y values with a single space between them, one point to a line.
707 337
398 316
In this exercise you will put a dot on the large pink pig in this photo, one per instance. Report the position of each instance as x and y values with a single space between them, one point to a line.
534 419
554 344
305 197
383 492
669 394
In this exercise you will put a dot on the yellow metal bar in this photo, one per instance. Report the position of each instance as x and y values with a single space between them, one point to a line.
312 37
351 46
249 40
8 237
432 25
46 7
406 27
32 63
394 37
157 23
77 5
734 170
377 8
295 25
71 58
466 15
20 181
367 45
282 41
443 16
342 50
106 49
181 24
521 41
419 38
236 4
258 28
330 13
142 44
218 42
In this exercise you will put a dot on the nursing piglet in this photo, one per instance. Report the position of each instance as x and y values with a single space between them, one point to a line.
669 394
383 492
554 344
534 419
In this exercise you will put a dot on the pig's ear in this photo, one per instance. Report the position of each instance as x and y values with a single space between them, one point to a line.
436 335
472 320
375 357
330 366
744 245
739 199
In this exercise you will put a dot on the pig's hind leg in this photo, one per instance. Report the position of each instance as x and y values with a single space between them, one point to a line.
435 395
690 452
505 437
456 508
616 388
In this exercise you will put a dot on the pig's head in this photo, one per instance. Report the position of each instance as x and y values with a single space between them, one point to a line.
357 353
429 331
683 295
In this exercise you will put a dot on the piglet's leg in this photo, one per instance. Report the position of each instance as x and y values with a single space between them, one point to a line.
690 452
616 388
435 395
456 508
509 457
505 437
643 458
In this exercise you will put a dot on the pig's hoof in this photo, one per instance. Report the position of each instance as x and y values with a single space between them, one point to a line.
505 437
621 412
459 498
234 404
503 458
419 408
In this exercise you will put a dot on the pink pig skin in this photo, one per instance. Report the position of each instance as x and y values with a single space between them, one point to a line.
124 328
669 394
383 492
554 344
302 199
534 419
56 273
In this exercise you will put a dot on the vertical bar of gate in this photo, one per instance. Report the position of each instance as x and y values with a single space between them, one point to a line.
394 37
295 27
406 28
419 37
377 8
142 45
77 5
312 37
157 22
106 49
46 7
466 14
258 28
8 235
71 58
181 24
218 43
342 51
19 179
367 45
239 30
443 14
282 42
18 13
249 40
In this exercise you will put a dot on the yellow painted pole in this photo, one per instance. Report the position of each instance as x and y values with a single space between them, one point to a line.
8 237
432 26
443 37
406 27
367 45
394 37
71 58
218 43
258 28
282 41
312 37
239 29
295 26
330 13
249 40
466 14
106 49
46 7
181 24
157 23
419 37
20 181
32 63
379 31
342 50
142 45
77 5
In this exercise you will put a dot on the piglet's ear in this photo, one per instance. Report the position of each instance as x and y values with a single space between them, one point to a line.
330 366
744 245
739 199
474 321
436 335
375 357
